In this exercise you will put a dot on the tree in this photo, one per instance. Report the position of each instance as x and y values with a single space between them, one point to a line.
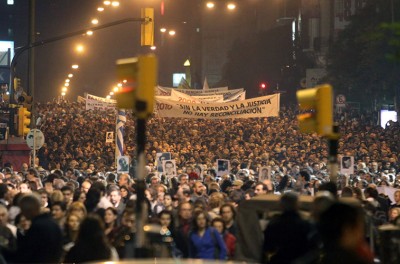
358 64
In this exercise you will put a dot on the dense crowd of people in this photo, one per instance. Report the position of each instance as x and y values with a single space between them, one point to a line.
74 201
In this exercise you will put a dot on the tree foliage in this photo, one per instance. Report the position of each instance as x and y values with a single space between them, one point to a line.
359 63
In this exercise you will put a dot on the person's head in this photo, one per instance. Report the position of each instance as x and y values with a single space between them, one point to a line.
200 220
110 215
30 206
199 188
124 180
289 201
3 215
342 225
129 219
24 188
91 230
73 221
185 210
260 188
394 213
167 200
396 197
58 210
125 192
165 218
115 196
79 196
347 192
305 176
68 193
219 224
228 212
86 186
77 208
44 197
22 222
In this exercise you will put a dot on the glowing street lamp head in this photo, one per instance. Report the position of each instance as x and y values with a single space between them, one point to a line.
67 80
115 3
231 6
100 9
115 89
163 30
210 5
63 93
80 48
66 84
108 96
107 3
89 33
75 66
153 47
172 32
70 75
64 89
95 21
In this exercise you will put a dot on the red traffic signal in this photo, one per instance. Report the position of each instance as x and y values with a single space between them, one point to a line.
263 85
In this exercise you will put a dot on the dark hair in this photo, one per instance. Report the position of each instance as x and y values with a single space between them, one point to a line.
219 219
62 205
347 192
230 206
91 244
196 214
171 215
336 219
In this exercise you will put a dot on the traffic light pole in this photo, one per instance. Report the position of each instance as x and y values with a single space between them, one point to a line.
22 49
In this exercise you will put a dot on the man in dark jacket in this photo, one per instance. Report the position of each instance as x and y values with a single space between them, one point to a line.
288 237
43 241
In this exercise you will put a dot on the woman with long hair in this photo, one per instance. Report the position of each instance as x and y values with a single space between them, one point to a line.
204 241
71 230
110 220
91 244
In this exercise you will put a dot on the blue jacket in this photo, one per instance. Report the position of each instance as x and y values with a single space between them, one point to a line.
210 246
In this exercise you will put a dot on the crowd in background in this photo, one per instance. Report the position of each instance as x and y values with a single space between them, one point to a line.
75 178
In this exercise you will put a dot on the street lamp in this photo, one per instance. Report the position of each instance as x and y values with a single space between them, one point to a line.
75 66
95 21
231 6
70 75
210 5
80 48
172 32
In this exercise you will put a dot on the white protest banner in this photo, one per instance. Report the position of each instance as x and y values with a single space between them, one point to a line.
167 91
99 103
185 98
257 107
217 98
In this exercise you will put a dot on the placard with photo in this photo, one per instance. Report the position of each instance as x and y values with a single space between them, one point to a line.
169 168
347 165
160 157
223 167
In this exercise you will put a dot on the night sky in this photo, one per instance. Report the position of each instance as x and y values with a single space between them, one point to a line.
96 73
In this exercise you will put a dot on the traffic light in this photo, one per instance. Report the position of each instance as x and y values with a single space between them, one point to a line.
147 27
138 76
24 121
127 74
318 104
263 85
147 80
25 101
